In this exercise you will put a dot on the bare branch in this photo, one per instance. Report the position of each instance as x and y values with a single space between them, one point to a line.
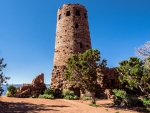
144 50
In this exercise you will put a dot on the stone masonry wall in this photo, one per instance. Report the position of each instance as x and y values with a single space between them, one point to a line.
72 36
34 89
72 32
108 80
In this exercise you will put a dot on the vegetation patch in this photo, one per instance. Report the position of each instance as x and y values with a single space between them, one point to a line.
94 105
11 91
69 95
48 94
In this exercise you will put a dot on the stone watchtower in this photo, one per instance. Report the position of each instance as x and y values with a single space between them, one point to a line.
72 36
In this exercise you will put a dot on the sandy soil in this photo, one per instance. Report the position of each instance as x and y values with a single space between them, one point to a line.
37 105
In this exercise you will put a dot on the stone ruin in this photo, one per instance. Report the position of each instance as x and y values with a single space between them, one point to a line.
108 80
34 89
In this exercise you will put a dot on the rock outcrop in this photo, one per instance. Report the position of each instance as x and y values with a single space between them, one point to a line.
34 89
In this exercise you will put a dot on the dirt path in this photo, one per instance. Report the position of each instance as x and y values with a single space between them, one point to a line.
37 105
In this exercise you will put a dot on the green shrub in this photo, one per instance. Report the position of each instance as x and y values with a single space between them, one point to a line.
9 94
75 97
146 102
69 95
67 92
94 105
50 96
134 101
40 96
49 91
123 99
46 96
86 98
120 97
11 89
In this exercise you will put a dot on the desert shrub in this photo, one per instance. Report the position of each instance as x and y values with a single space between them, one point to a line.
49 91
146 102
11 91
48 96
94 105
9 94
123 99
75 97
69 95
134 101
120 97
86 98
66 92
40 96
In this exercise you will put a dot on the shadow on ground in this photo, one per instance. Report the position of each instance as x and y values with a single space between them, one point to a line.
110 105
21 107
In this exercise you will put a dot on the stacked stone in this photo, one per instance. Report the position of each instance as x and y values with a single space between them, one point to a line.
108 81
34 89
72 37
58 77
72 33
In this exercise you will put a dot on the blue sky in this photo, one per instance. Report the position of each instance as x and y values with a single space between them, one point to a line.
27 33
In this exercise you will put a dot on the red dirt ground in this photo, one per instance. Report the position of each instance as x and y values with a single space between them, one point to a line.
37 105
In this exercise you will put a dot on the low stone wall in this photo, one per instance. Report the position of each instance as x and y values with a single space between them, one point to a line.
34 89
107 80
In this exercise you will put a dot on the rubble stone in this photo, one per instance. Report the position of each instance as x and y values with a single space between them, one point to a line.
34 89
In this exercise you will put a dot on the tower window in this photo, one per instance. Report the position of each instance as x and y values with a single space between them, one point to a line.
87 45
68 13
60 17
77 13
85 15
76 26
81 45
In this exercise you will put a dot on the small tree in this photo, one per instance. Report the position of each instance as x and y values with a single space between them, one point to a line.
144 50
81 69
134 75
3 78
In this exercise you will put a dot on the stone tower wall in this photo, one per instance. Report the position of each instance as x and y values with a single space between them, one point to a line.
72 36
72 33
